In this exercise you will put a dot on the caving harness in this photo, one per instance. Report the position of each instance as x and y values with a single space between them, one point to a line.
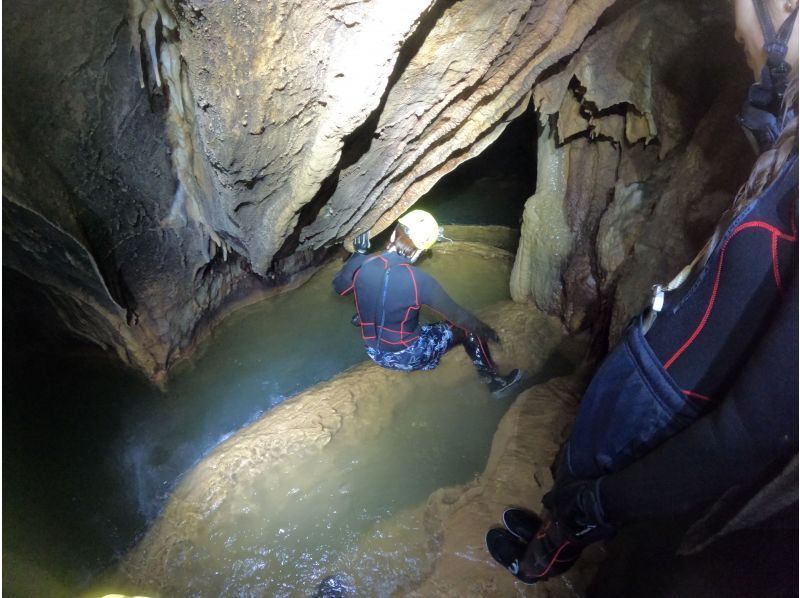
758 116
758 120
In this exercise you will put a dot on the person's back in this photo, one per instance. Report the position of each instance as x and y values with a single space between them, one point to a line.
388 302
389 292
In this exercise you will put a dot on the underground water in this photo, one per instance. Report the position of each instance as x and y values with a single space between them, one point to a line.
120 447
92 451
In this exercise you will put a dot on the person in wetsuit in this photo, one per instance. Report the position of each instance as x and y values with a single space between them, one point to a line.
702 393
389 292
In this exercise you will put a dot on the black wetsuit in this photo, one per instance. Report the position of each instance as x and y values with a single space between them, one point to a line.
732 335
649 388
753 432
704 334
388 293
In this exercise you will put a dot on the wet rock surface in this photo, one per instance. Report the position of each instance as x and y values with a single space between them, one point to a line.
629 186
517 474
173 160
357 405
180 155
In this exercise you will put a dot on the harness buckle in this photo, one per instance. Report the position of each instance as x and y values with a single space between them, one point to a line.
658 298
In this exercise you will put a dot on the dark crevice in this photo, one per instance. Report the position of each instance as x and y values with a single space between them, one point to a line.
443 141
239 206
505 171
357 143
307 215
556 68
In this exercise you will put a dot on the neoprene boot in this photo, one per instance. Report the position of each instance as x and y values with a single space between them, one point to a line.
552 551
500 386
478 352
574 519
522 523
531 549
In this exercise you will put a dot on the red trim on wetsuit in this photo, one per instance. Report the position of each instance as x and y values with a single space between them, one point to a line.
775 271
414 281
754 224
554 559
405 343
448 320
403 325
480 341
486 353
696 395
358 311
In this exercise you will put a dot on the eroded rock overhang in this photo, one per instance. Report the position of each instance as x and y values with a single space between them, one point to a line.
187 155
175 156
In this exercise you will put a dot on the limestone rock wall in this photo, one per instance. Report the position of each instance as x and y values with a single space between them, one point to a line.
164 158
637 147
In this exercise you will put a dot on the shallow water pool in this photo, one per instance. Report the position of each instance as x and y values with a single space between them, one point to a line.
96 451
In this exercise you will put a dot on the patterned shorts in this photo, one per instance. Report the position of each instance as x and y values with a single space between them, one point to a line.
424 354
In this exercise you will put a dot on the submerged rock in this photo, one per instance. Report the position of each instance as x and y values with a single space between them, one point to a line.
517 474
352 408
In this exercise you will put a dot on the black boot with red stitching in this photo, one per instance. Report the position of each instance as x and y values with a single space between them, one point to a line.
575 520
538 550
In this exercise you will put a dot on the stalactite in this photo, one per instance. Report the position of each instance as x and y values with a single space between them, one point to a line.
163 49
135 10
148 24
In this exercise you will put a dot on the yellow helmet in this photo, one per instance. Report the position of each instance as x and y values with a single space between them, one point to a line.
421 228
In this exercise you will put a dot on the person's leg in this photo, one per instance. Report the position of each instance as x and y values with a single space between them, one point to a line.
423 354
551 552
478 351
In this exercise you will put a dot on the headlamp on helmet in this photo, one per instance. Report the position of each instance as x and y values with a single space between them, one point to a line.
421 228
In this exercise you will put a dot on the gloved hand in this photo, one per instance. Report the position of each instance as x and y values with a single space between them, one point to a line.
361 243
577 507
486 332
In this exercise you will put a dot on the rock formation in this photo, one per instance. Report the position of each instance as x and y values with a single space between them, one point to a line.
183 155
174 156
358 406
636 149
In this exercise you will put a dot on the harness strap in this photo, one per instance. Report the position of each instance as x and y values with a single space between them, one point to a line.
776 45
660 291
766 21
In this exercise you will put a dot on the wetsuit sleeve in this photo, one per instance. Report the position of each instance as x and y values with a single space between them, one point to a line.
434 296
754 429
343 281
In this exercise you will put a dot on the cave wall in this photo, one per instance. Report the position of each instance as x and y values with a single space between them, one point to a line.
639 154
86 176
174 157
165 158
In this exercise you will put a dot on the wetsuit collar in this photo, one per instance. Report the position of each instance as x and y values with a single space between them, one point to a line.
395 258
